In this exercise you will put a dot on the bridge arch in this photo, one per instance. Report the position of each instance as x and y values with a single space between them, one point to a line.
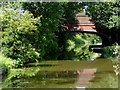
83 24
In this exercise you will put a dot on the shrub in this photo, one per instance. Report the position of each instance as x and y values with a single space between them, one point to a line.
19 36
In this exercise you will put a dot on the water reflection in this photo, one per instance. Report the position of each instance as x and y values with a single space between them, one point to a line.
65 74
85 76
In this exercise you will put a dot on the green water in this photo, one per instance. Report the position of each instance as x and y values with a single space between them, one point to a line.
65 74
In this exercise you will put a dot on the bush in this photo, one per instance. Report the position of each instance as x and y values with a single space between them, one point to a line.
19 36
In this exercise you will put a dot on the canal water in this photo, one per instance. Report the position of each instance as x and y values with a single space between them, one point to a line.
85 70
64 74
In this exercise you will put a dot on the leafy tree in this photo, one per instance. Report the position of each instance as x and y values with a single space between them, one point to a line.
63 11
105 17
104 14
55 16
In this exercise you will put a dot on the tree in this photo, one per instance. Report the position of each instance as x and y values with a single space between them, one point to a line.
106 19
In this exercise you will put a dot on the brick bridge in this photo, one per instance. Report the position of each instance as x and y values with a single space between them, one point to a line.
84 25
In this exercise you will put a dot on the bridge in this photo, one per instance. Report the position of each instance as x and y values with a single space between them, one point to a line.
84 25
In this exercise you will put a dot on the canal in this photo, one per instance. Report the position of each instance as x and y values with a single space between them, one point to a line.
77 68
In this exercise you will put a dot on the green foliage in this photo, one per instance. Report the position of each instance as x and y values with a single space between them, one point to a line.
77 46
104 15
14 5
111 80
15 75
29 39
71 45
54 13
111 51
6 63
19 36
70 9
